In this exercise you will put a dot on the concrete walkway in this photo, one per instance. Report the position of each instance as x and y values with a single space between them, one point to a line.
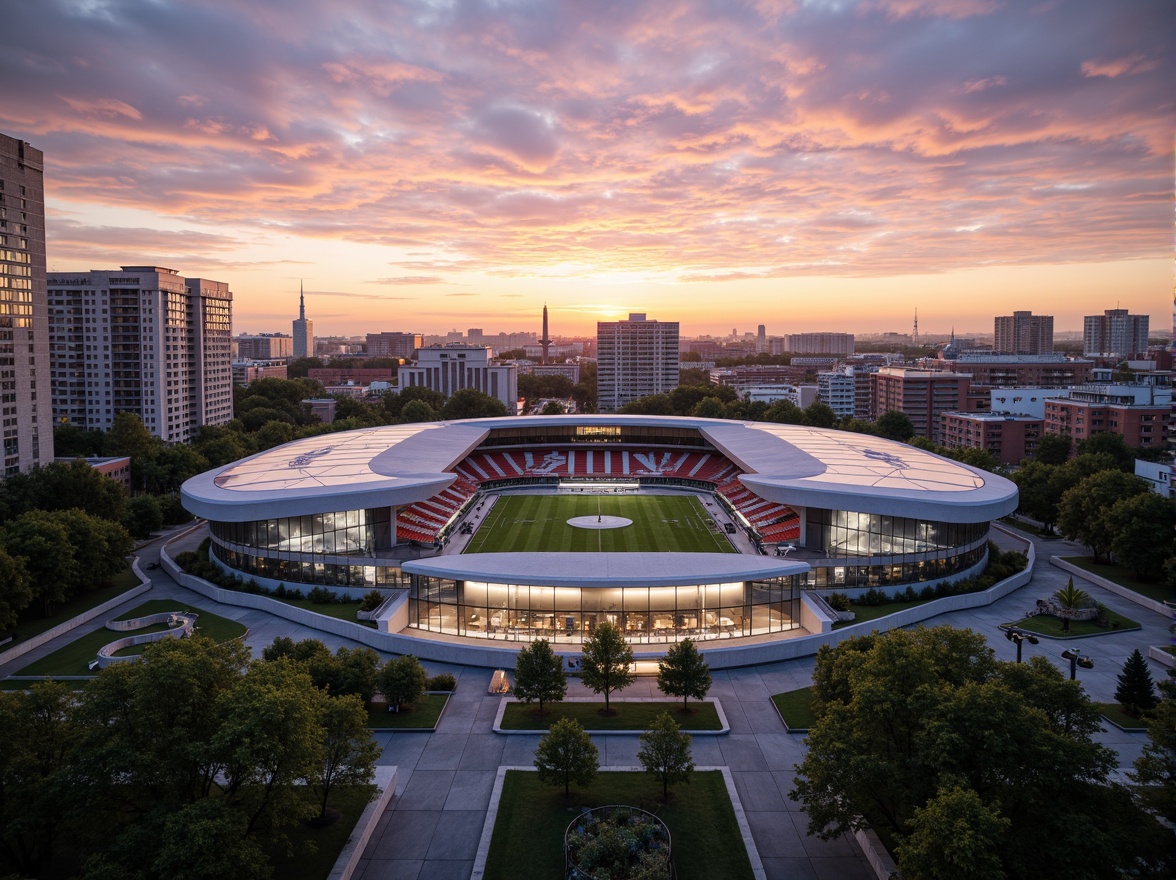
431 829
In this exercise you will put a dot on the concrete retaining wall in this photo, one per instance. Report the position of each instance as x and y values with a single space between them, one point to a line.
879 859
348 861
22 648
1111 586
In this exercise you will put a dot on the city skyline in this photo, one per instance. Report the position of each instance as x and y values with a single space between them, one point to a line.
817 167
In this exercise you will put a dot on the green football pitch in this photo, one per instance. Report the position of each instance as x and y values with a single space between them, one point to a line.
538 524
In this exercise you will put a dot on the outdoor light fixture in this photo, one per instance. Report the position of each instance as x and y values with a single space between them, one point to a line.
1018 635
1077 659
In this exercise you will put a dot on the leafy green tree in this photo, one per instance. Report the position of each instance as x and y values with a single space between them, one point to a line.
606 661
1107 443
553 408
174 465
144 516
402 681
895 425
566 754
469 403
348 752
1141 531
395 403
709 408
650 405
954 835
1136 692
1052 449
99 546
665 752
129 436
1071 598
682 672
417 411
539 674
785 412
16 590
273 433
1155 768
42 541
1082 512
820 415
206 840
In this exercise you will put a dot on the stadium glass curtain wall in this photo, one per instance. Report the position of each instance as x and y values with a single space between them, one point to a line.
517 612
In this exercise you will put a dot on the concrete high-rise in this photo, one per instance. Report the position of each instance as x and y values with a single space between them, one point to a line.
634 358
450 368
1115 334
142 340
394 344
1023 333
303 329
26 426
840 344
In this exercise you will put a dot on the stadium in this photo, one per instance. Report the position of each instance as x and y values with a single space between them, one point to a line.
493 531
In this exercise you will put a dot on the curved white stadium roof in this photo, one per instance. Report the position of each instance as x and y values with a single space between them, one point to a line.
789 464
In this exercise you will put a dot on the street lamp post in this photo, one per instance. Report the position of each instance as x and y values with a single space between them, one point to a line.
1018 635
1077 659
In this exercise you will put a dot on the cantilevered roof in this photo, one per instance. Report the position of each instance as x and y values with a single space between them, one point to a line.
605 569
793 465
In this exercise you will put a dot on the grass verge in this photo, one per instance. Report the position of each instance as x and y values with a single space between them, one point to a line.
423 715
316 849
34 626
532 817
873 612
72 659
1155 590
1114 712
796 708
1047 625
333 609
630 716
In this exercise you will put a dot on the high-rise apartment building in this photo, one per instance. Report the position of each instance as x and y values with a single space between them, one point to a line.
634 358
264 347
924 397
303 330
26 427
838 391
840 344
142 340
1115 334
450 368
401 346
1023 333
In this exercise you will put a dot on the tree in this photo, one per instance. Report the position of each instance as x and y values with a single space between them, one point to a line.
820 415
709 408
1136 692
665 752
539 675
1108 443
895 425
417 411
955 835
16 591
1082 512
605 662
348 752
144 515
402 681
785 412
552 408
1141 530
43 542
566 754
683 673
897 726
1071 599
650 405
469 403
1155 768
1052 449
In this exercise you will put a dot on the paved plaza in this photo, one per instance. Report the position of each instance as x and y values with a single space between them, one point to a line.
432 826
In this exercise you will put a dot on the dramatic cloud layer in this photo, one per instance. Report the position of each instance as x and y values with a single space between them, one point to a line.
717 143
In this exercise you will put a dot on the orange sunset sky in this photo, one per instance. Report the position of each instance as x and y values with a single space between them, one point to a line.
426 166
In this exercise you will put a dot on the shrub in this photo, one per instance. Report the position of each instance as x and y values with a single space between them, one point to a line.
443 682
873 596
280 592
371 601
928 592
321 596
838 601
909 595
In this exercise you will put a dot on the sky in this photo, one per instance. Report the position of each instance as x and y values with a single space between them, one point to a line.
445 164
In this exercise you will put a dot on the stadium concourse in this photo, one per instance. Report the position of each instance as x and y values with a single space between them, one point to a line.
465 524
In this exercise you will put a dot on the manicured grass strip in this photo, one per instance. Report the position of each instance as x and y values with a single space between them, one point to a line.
422 715
1170 649
1114 712
538 523
1156 590
72 659
1029 528
1048 625
333 609
630 716
532 817
796 708
316 849
33 626
873 612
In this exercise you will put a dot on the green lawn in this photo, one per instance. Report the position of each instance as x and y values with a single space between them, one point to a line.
796 708
316 849
1114 712
1156 590
532 817
422 715
629 716
336 610
1047 625
31 624
538 523
873 612
72 659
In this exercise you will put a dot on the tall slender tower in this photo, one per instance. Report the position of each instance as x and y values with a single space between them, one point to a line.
303 329
546 340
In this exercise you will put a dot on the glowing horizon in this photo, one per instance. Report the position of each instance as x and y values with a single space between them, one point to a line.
427 167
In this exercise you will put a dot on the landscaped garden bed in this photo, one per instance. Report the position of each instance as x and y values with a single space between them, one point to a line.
626 715
421 715
1052 627
1114 713
796 708
532 817
1155 590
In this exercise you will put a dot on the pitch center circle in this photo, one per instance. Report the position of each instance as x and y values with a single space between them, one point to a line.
599 522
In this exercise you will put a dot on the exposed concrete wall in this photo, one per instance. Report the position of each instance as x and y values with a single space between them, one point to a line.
1111 586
